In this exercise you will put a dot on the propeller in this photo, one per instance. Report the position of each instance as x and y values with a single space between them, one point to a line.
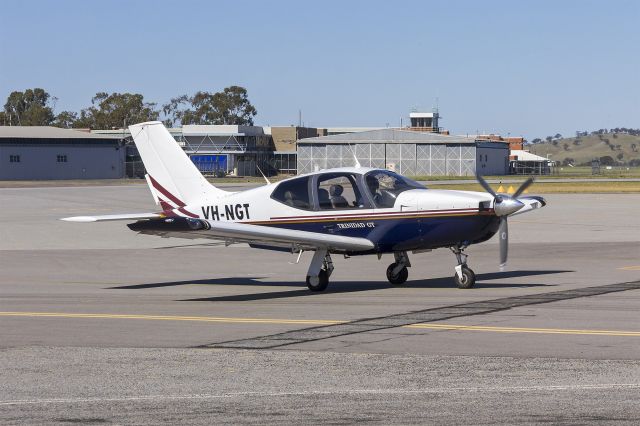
505 205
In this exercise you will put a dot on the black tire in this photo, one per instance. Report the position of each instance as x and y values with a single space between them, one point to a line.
398 279
468 278
323 281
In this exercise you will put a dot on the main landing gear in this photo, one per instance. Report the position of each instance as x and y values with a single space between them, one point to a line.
397 272
319 271
464 277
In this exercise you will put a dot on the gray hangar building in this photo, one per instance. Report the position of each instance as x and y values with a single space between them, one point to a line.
408 152
42 152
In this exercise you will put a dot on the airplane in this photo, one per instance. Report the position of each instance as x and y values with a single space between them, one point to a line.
348 211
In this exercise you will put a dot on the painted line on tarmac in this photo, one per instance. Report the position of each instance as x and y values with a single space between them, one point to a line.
431 316
171 318
228 320
630 268
524 330
143 398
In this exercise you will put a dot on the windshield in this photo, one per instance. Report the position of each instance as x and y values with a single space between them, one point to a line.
385 186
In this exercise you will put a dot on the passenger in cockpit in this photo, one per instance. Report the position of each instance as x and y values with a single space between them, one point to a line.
337 200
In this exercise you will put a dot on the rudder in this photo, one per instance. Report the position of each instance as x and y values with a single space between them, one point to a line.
171 173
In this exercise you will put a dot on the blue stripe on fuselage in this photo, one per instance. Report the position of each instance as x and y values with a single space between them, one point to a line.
406 233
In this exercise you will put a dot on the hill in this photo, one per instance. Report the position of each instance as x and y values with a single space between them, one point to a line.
611 148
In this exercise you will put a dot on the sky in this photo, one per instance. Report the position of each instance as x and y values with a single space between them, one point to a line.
530 68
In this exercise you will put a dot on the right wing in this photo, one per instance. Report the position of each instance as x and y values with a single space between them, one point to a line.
232 232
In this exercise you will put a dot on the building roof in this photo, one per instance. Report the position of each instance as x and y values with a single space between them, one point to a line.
48 132
526 156
389 136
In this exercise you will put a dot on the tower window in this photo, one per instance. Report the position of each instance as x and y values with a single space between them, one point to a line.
14 158
62 158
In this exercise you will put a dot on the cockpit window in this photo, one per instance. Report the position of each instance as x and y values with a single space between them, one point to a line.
385 186
337 191
294 193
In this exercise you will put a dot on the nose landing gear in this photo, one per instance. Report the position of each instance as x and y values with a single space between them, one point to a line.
464 278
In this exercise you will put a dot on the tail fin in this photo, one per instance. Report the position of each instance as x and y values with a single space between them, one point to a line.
172 176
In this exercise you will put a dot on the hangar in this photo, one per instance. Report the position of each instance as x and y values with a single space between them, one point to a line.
409 152
43 152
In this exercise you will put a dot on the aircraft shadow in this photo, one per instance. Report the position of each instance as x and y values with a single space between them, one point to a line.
341 286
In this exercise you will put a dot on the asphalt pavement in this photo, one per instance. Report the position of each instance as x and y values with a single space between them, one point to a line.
100 325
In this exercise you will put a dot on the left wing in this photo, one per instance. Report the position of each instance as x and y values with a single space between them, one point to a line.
233 232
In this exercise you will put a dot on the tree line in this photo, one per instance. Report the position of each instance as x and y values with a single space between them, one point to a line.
600 132
35 107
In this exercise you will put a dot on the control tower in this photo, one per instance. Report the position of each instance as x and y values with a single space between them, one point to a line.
425 121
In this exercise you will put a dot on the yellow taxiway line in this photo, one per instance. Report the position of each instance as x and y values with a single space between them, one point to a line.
171 318
524 330
231 320
630 268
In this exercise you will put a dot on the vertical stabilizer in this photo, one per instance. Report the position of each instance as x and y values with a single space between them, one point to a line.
172 176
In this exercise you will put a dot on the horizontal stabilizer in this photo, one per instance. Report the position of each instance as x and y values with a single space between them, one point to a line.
103 218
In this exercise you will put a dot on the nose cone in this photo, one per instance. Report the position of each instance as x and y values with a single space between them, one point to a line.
507 206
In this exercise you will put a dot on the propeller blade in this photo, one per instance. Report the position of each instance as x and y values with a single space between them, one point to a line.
524 186
503 234
485 185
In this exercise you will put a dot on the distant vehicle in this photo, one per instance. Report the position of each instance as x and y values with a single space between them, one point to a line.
349 211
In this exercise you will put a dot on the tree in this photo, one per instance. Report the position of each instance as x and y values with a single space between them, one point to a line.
620 156
174 111
634 147
565 146
536 140
116 110
29 108
66 119
231 106
549 138
606 160
558 136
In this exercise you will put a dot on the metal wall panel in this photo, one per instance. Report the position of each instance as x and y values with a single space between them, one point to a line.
438 160
83 162
408 159
378 155
453 160
393 157
423 159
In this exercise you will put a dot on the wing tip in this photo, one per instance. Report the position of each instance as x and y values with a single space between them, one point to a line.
79 219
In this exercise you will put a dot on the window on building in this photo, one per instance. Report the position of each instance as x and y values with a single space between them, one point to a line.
294 193
14 158
62 158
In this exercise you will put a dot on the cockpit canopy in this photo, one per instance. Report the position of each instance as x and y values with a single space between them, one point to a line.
344 190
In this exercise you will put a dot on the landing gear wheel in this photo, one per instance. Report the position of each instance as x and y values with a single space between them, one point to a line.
318 283
398 279
468 278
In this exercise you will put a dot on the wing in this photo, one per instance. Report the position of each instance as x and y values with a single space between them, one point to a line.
230 232
530 203
128 216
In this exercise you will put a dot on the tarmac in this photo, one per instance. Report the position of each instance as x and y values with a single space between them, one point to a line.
99 325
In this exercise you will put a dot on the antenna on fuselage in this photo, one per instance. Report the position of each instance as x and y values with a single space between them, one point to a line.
265 178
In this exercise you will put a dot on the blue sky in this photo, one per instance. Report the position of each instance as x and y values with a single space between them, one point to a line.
512 67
